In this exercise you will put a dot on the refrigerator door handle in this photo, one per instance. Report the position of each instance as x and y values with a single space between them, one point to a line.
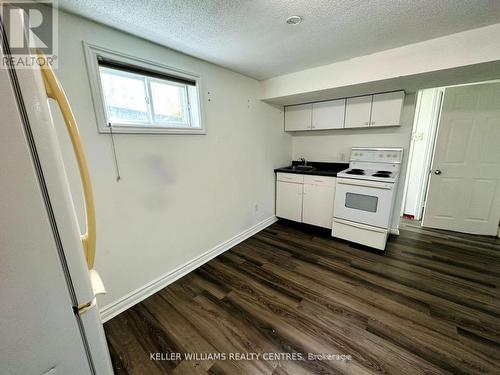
56 92
96 282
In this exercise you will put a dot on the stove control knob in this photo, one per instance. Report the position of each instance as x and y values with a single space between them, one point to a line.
437 171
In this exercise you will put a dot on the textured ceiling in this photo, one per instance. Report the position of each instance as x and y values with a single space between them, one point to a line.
251 36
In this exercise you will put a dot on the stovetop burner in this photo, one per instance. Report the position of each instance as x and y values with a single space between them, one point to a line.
370 172
356 171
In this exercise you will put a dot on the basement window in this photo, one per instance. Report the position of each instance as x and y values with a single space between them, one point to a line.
134 96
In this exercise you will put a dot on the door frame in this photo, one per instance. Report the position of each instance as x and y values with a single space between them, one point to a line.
436 121
429 152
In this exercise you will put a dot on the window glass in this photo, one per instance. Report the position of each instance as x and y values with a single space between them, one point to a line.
361 202
169 103
125 96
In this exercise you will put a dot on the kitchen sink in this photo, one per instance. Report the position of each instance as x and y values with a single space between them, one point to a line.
301 168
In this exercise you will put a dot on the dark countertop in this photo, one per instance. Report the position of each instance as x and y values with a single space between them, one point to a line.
320 168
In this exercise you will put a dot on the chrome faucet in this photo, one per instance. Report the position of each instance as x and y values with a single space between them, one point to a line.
304 161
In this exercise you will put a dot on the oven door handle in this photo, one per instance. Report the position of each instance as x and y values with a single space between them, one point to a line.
364 183
360 226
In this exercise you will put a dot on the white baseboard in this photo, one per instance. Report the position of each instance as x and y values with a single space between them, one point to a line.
109 311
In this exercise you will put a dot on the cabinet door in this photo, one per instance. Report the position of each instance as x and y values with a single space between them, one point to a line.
357 112
298 117
328 115
317 207
387 108
289 200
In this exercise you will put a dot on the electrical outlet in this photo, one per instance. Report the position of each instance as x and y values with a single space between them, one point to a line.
256 207
342 156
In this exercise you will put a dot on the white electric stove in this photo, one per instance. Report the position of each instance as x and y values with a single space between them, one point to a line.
365 194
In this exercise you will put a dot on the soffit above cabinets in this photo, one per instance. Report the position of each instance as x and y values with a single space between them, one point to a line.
410 84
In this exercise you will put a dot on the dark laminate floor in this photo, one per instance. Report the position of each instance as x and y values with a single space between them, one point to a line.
430 305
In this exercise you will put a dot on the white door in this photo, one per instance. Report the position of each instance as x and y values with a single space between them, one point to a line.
289 200
357 112
464 187
317 206
387 108
328 115
298 117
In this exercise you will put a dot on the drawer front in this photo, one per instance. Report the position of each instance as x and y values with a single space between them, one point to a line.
290 177
359 233
319 180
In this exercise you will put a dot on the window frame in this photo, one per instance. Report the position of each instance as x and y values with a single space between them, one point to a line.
194 101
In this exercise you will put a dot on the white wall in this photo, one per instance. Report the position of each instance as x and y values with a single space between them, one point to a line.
180 195
330 145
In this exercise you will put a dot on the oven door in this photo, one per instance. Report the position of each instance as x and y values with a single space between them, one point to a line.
366 202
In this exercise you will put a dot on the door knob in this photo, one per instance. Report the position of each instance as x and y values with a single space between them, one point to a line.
437 171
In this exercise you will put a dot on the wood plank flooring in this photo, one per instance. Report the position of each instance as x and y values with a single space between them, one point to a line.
430 305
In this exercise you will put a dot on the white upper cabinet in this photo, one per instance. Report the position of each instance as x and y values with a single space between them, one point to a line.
387 108
298 117
357 112
328 115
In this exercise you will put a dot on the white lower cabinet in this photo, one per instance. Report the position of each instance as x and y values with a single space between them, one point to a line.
317 205
289 200
310 201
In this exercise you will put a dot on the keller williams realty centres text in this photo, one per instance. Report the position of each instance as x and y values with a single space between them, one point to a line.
235 356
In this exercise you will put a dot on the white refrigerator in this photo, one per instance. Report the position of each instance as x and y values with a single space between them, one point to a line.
49 319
